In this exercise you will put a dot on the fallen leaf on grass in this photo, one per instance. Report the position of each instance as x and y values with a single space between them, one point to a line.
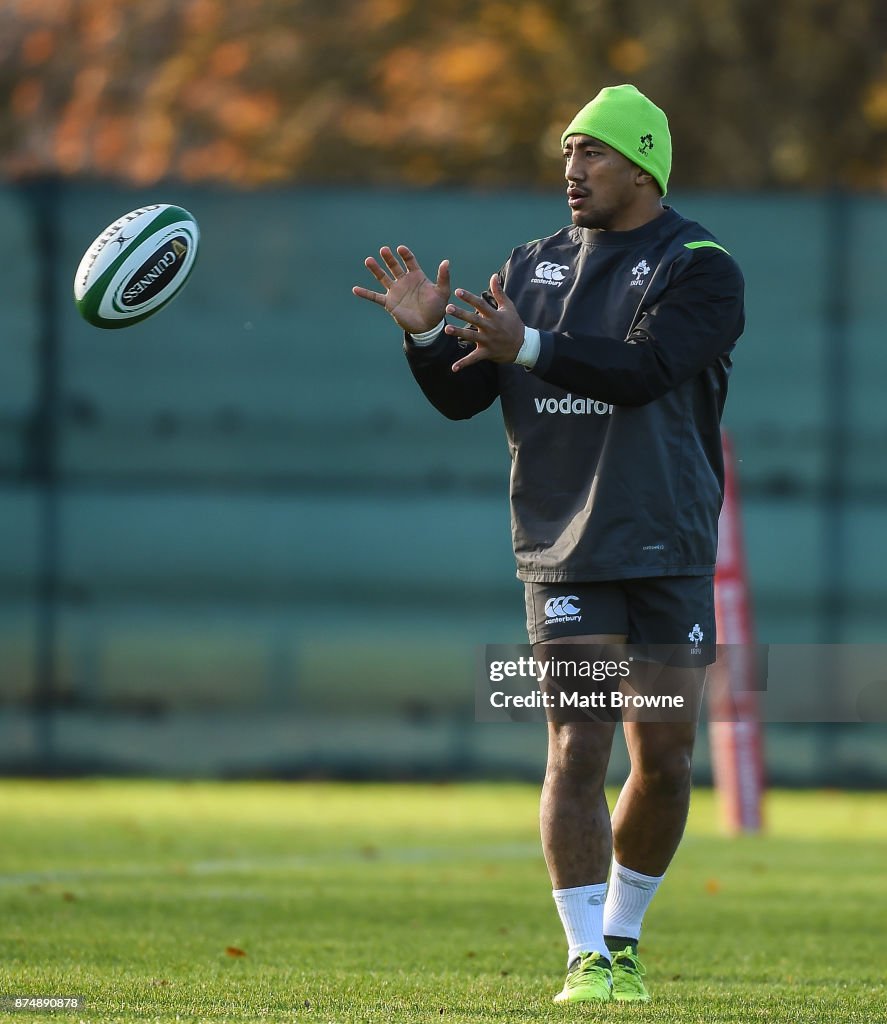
234 951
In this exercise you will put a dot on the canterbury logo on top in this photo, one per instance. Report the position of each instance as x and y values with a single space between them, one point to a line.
550 273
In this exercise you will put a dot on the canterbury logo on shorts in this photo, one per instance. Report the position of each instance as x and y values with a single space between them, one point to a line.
563 609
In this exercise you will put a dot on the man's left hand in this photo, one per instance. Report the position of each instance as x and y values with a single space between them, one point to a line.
497 334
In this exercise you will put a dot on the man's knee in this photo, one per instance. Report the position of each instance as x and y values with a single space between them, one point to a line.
665 772
580 750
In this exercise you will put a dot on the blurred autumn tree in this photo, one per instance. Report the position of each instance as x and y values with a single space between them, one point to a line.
436 91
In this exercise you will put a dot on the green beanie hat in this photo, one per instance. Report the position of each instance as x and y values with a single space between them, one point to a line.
626 120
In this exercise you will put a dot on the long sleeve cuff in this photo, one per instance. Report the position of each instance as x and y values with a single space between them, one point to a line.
427 337
544 354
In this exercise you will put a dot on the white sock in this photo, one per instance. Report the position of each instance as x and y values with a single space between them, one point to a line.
628 897
581 911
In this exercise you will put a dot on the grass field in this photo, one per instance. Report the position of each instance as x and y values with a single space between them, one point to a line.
164 901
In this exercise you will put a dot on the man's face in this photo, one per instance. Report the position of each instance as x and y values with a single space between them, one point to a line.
602 185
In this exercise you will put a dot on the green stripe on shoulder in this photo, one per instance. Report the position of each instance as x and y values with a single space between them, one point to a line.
704 245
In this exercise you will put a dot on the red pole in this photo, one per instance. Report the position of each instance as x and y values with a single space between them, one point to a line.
734 720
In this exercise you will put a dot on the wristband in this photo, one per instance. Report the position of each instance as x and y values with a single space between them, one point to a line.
529 351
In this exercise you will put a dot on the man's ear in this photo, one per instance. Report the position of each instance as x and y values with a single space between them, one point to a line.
643 177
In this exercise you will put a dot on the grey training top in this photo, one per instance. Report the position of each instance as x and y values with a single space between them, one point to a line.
617 467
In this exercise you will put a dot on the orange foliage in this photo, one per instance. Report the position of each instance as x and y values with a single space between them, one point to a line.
252 91
538 27
202 15
26 97
402 70
101 25
89 85
468 64
38 47
375 14
146 166
248 115
629 56
41 10
216 161
229 59
875 105
70 144
110 143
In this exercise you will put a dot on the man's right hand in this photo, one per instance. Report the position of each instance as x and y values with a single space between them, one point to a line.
415 303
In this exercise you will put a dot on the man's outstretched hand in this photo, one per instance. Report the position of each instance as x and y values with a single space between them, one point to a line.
497 334
416 303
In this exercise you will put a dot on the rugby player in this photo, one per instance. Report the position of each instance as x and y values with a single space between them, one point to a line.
608 345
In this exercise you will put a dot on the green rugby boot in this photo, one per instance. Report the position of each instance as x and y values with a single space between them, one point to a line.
628 977
589 980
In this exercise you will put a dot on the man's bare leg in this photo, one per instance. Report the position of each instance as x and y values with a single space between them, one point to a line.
574 817
651 813
575 824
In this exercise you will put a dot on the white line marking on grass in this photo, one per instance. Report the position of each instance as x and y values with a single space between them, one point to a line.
370 856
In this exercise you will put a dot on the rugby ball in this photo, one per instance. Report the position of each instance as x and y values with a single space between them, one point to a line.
136 265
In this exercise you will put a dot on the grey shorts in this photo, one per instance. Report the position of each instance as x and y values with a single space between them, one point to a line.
667 612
